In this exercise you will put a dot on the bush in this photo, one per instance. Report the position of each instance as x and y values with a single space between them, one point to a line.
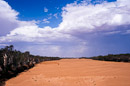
111 57
13 62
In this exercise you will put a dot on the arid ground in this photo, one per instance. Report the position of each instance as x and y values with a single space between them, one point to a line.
74 72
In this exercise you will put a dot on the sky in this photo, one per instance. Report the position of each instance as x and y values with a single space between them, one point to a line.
66 28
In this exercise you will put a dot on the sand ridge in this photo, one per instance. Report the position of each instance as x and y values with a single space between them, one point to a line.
74 72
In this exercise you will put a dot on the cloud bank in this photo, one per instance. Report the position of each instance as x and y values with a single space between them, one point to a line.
80 22
99 18
9 20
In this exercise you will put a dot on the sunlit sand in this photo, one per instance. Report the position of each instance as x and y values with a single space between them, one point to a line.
74 72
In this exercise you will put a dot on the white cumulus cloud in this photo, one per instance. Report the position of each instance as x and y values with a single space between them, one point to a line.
79 20
9 19
87 18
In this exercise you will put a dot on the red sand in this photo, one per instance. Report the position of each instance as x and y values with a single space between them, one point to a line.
75 72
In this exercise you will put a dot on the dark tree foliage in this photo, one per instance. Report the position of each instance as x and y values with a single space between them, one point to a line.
13 62
112 57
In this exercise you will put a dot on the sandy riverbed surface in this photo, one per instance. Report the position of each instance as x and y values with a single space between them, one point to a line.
74 72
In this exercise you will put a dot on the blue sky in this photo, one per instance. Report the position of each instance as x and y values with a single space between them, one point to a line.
34 10
66 27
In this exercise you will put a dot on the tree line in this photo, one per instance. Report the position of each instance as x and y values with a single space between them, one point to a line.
112 57
13 61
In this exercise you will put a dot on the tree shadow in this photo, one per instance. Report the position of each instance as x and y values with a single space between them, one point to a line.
2 83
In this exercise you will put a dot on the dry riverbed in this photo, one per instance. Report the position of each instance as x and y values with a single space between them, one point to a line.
74 72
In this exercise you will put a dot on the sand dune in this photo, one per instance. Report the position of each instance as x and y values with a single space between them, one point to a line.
74 72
